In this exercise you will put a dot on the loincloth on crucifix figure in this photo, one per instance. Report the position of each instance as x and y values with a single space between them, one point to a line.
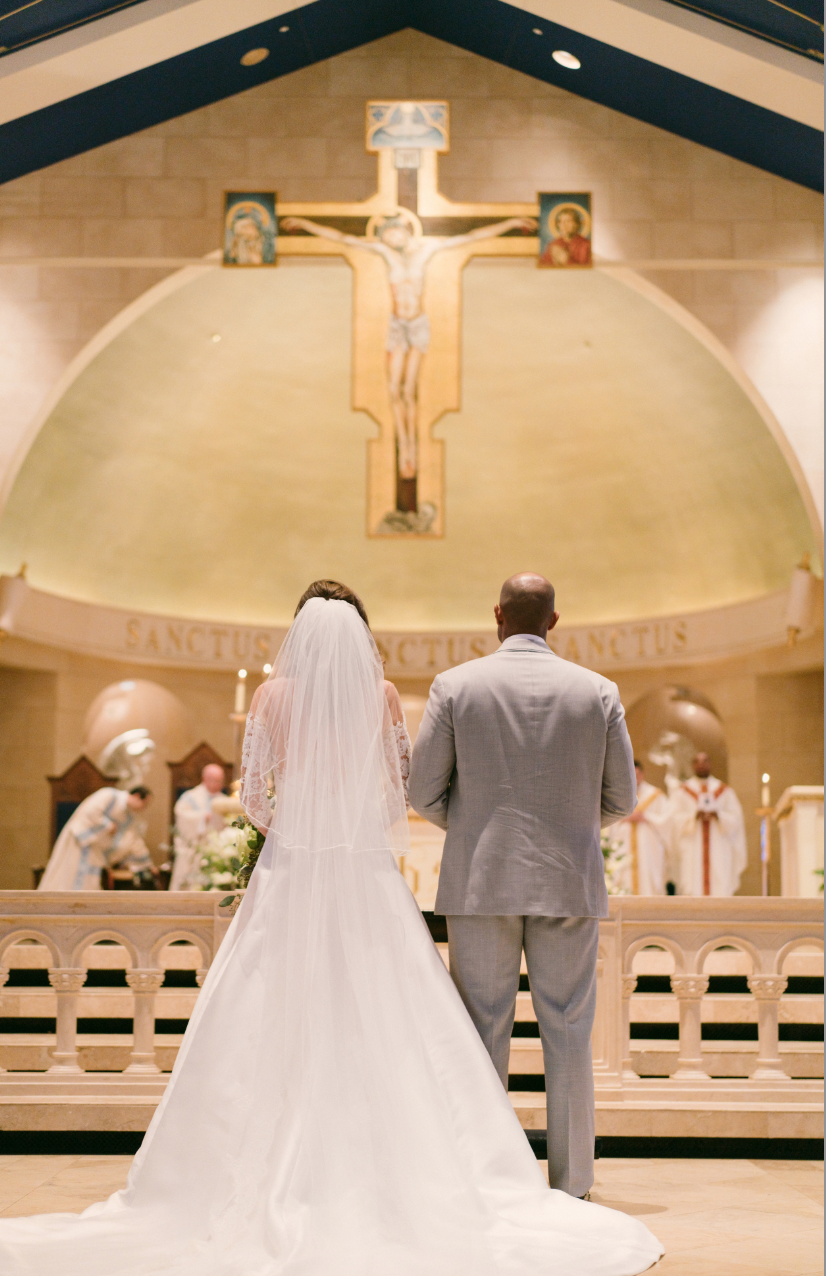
397 239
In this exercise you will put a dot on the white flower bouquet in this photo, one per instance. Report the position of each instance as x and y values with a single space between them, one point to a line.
221 858
228 858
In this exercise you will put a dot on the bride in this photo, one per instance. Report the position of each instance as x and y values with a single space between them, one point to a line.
332 1111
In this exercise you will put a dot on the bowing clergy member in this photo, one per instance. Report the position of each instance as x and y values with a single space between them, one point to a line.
104 831
643 838
708 834
194 817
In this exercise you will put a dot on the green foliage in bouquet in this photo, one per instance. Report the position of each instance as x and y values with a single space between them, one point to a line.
249 841
252 840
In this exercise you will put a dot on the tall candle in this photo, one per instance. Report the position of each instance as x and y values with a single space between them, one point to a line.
766 795
241 692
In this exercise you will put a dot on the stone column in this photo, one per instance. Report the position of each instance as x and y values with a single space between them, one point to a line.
690 990
767 990
144 985
629 983
67 983
4 974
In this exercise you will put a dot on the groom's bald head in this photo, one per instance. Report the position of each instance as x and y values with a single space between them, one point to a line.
526 606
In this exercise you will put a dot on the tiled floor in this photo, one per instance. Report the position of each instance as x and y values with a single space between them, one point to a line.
715 1218
723 1218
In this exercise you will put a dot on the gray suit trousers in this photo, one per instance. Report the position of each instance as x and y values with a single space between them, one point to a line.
561 956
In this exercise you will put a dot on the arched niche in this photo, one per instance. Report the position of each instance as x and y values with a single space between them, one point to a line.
681 712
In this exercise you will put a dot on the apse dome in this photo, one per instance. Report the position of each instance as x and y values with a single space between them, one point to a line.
207 461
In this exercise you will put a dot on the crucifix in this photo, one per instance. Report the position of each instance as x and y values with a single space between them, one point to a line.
407 246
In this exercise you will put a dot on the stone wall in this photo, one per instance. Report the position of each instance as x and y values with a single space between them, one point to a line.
27 730
790 714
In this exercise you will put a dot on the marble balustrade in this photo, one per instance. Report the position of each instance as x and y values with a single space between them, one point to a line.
140 926
765 940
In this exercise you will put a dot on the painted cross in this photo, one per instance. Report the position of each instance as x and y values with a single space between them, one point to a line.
407 245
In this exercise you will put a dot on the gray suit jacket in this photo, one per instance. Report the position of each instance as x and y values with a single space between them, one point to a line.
522 756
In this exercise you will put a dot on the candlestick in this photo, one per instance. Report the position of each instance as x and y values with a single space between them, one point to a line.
765 833
241 691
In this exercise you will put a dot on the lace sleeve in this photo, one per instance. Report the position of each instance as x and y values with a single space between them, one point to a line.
405 749
256 766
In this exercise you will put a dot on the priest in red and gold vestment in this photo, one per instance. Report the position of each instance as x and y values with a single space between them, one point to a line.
708 834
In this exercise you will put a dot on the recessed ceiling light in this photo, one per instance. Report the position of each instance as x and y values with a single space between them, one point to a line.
537 31
216 336
283 30
566 59
253 56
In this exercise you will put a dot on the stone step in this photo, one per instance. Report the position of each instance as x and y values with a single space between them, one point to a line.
85 1085
716 1109
659 1058
721 1109
97 1052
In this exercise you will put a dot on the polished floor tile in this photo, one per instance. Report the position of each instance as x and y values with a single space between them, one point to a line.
51 1184
715 1218
722 1218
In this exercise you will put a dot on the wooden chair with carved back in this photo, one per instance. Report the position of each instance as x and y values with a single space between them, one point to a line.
187 773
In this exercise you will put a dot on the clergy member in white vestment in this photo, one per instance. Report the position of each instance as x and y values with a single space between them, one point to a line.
643 838
708 834
194 817
103 832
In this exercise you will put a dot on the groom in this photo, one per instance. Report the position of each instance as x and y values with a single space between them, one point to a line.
522 757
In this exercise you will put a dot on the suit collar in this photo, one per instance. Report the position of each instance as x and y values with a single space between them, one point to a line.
526 642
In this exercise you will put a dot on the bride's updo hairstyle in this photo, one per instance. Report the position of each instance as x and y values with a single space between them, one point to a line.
336 592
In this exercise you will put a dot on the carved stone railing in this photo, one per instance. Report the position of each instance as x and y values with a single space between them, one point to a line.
691 932
763 937
143 924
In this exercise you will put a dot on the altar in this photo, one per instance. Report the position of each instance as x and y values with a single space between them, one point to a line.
799 817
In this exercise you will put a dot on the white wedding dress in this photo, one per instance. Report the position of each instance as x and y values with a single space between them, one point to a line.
332 1111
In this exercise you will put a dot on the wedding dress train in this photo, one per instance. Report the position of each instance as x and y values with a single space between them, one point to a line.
332 1111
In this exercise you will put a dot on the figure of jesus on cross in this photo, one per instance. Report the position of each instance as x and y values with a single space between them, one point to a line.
397 239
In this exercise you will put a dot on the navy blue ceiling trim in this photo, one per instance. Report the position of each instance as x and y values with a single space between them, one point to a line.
22 23
490 28
797 26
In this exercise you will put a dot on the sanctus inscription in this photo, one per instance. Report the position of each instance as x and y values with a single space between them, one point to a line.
411 655
178 640
36 616
621 644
